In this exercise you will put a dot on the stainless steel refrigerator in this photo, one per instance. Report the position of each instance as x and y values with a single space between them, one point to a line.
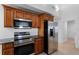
50 42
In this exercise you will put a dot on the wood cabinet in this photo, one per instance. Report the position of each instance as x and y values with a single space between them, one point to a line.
18 13
47 17
8 51
38 45
42 18
41 28
7 45
28 15
8 48
35 21
8 17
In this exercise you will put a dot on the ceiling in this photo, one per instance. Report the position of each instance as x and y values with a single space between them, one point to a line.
37 8
26 8
64 9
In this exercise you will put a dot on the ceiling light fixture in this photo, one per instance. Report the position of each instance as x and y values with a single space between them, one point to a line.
56 8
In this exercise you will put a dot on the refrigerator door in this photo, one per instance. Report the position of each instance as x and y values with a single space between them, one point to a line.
50 45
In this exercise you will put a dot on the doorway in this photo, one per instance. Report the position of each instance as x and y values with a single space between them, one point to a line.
69 44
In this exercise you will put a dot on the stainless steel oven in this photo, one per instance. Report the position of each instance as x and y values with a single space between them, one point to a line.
22 23
23 43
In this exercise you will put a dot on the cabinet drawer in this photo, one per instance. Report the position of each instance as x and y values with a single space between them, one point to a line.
7 45
8 51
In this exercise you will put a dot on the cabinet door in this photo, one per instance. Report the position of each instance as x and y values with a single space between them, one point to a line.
8 48
8 17
41 26
18 14
41 29
46 17
8 51
52 18
35 21
28 15
38 46
7 45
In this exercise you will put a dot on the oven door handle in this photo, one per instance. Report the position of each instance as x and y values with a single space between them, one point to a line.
21 44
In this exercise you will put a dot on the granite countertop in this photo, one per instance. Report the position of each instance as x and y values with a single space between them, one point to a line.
7 40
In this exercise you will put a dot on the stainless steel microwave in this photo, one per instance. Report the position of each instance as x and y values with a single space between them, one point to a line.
22 23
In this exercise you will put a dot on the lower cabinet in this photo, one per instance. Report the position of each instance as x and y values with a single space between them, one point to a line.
38 45
9 51
8 48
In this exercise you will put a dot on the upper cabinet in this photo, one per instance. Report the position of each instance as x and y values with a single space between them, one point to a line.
47 17
42 18
18 13
28 15
35 21
8 17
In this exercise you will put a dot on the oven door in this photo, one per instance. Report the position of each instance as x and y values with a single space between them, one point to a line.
22 24
24 49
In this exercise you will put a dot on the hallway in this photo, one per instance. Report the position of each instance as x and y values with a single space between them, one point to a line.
68 48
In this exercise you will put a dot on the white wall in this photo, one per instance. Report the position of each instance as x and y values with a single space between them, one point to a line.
0 49
9 32
4 32
77 33
71 12
62 31
70 29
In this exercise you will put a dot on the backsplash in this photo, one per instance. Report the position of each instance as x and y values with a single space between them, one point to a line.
9 32
34 31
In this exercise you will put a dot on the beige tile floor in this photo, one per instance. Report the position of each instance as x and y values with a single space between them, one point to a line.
66 48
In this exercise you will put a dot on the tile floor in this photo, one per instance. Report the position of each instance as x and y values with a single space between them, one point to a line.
66 48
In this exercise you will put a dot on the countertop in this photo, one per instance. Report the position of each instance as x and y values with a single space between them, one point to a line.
7 40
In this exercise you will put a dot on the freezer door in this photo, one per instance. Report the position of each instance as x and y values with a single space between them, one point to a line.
50 45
